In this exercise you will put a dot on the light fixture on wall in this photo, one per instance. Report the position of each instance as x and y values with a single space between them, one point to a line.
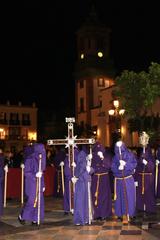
115 119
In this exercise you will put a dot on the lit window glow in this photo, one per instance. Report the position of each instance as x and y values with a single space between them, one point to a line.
100 54
82 55
2 133
121 111
116 103
32 136
98 132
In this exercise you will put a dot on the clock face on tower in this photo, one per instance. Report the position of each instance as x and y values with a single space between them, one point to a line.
100 54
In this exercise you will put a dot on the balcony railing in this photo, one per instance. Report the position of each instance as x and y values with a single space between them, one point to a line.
14 137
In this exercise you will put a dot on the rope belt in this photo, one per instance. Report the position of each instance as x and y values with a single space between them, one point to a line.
97 186
36 197
143 180
115 184
58 180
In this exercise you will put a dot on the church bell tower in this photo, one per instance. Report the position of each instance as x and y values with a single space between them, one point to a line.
93 69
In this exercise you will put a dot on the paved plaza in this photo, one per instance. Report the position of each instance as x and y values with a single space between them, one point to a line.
58 226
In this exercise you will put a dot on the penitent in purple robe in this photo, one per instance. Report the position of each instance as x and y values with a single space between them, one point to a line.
67 181
82 191
145 194
100 187
124 187
59 157
31 161
1 182
158 179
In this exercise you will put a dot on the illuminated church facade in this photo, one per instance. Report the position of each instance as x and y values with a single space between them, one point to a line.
94 81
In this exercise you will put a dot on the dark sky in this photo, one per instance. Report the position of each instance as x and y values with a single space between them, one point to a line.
42 47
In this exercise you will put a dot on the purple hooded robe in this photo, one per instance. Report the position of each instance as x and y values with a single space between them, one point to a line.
30 210
100 187
145 194
81 194
57 159
124 187
158 182
67 181
1 182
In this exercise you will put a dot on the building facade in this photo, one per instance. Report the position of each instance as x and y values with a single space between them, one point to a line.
94 69
94 83
18 125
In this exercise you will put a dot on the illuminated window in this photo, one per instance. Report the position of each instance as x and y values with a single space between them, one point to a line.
106 83
32 136
100 54
2 133
82 55
100 82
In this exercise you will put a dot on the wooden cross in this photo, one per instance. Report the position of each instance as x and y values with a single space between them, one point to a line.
71 142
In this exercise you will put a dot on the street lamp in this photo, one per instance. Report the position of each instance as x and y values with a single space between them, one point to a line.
115 115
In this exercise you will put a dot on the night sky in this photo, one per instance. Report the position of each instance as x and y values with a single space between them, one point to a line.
42 46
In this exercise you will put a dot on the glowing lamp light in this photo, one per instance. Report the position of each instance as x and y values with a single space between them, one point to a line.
100 54
116 103
82 56
32 136
111 112
98 132
121 111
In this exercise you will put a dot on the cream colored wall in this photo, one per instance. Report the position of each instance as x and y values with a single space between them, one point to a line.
81 94
94 116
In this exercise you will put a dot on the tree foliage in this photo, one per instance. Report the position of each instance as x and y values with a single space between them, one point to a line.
137 93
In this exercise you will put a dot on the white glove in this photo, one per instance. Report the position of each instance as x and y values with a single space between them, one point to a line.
100 154
121 167
61 164
22 165
39 174
6 168
88 162
157 161
119 143
43 189
73 164
144 161
89 157
74 179
136 184
122 162
88 168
